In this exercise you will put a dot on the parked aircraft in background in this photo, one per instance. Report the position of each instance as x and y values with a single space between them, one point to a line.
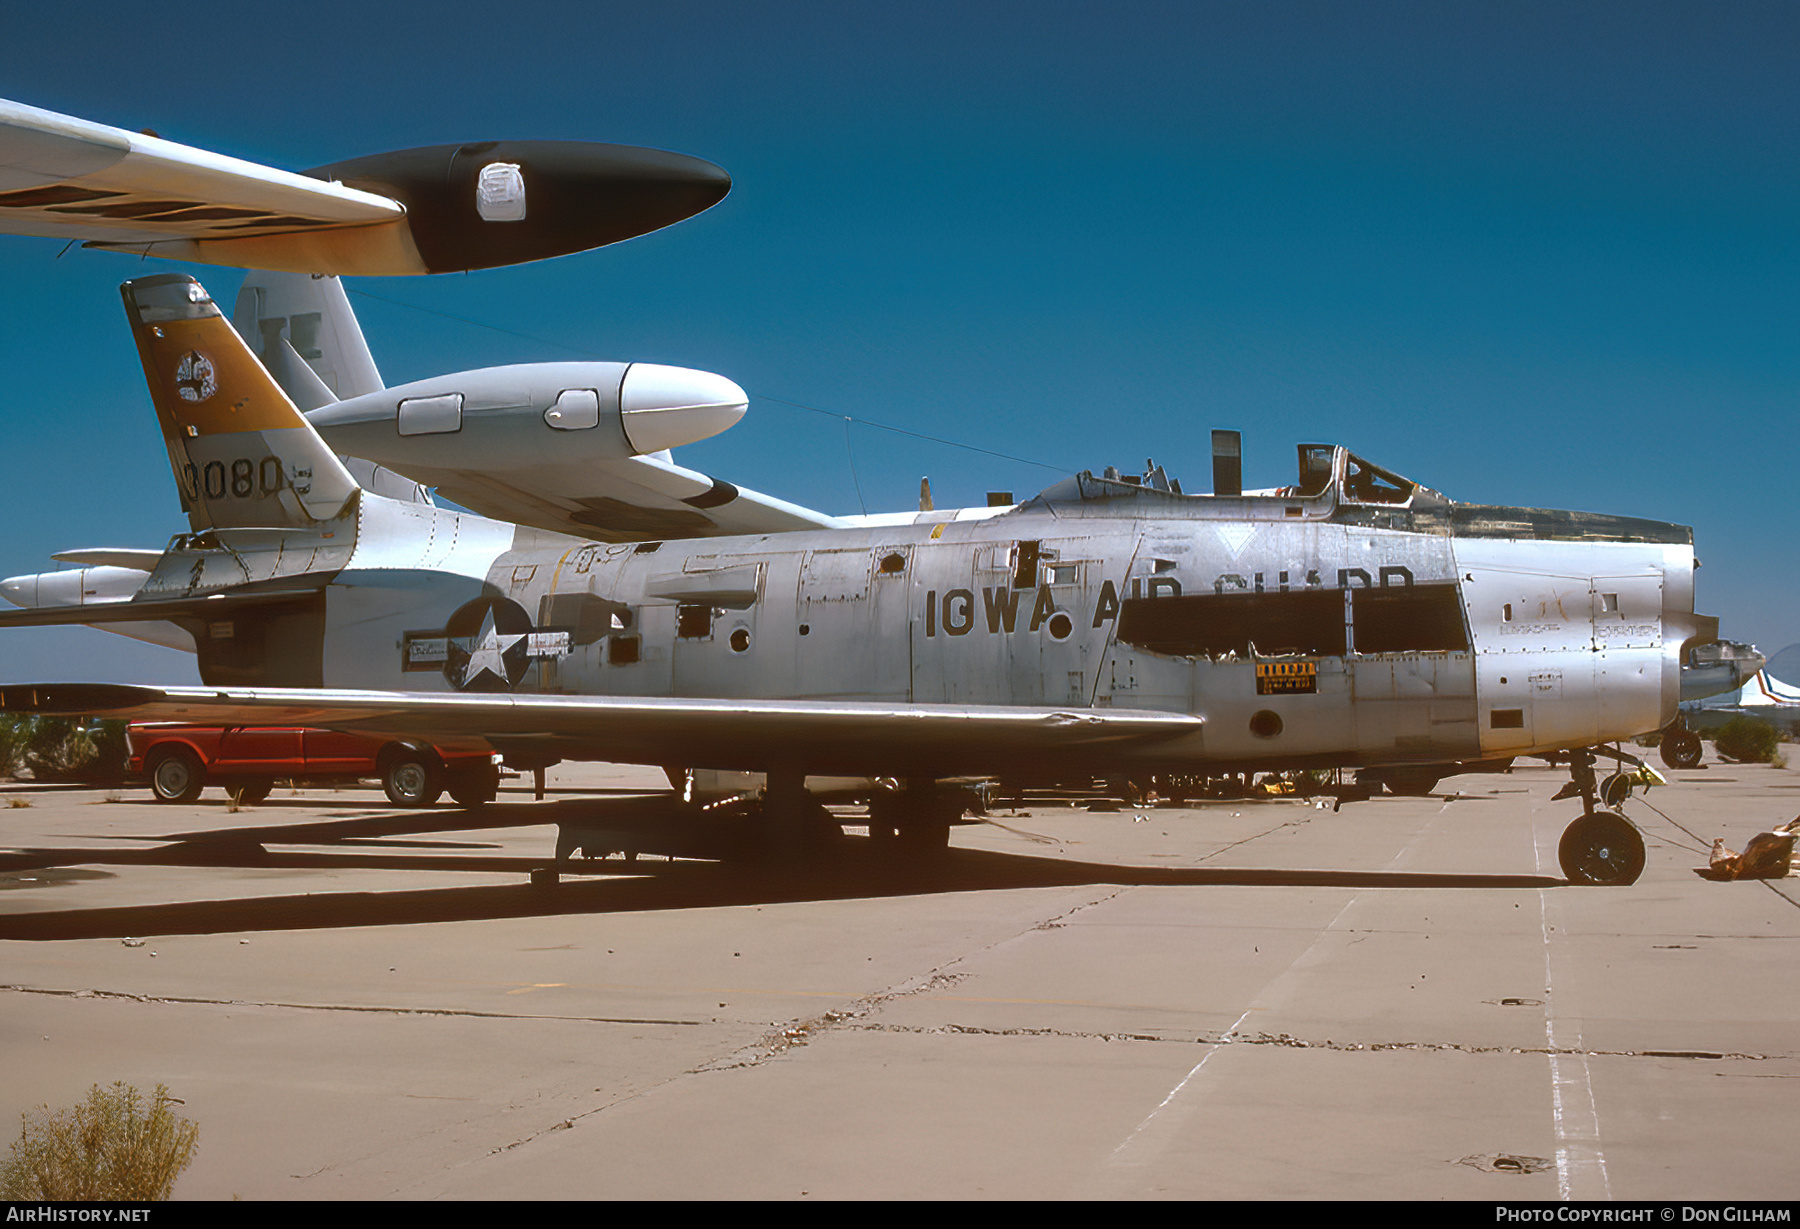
1111 624
1713 673
1764 696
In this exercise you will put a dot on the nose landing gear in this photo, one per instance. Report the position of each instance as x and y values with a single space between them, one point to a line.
1602 847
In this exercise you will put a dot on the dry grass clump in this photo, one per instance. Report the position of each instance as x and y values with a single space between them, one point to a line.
116 1145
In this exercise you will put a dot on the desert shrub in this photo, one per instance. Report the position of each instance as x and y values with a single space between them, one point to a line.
65 748
113 1146
1748 740
56 749
12 741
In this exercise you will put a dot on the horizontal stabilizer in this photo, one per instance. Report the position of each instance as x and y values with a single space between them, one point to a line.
111 557
219 606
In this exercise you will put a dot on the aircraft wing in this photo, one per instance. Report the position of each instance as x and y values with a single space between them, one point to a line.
69 178
812 736
631 499
436 209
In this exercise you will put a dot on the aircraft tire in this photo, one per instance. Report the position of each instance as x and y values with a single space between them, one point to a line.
177 776
1682 749
884 826
470 796
249 793
924 838
412 779
1601 848
1411 782
475 788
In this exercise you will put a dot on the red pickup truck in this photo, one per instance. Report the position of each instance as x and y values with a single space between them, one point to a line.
180 760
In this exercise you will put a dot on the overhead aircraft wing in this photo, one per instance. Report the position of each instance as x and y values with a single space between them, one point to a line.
632 499
69 178
435 209
812 736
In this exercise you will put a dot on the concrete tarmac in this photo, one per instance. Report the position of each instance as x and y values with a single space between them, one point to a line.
1232 1000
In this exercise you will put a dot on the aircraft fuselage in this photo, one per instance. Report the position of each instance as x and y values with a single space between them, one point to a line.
1307 630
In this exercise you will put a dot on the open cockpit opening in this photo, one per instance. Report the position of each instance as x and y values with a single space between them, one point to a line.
1323 466
1331 480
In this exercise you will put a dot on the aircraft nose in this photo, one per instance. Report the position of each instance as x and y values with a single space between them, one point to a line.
665 407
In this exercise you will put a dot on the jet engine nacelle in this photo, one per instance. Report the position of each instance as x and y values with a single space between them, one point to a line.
74 586
531 416
98 585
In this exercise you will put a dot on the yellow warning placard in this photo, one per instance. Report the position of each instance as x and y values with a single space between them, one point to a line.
1278 678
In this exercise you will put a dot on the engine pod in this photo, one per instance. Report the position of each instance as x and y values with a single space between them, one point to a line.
495 203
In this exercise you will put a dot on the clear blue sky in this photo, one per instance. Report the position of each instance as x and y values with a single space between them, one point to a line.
1525 253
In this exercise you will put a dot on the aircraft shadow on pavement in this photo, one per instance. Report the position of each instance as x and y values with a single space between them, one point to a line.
844 871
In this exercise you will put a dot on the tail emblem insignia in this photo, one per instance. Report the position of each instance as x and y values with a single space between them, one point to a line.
195 379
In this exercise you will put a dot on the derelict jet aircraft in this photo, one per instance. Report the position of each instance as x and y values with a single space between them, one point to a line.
1106 626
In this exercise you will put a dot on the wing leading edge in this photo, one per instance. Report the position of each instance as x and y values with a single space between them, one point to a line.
68 178
812 736
631 499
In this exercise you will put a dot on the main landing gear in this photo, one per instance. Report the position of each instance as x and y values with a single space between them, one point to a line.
793 821
1602 847
915 821
1680 746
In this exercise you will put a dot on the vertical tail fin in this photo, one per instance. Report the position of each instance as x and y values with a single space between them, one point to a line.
302 328
243 456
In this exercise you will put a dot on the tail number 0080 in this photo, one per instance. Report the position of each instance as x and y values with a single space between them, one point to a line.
240 478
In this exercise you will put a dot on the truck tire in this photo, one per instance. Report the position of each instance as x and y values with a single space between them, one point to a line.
412 778
177 775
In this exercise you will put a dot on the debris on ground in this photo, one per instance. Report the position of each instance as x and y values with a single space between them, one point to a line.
1769 855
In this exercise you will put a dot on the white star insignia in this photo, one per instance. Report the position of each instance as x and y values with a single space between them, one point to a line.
488 651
